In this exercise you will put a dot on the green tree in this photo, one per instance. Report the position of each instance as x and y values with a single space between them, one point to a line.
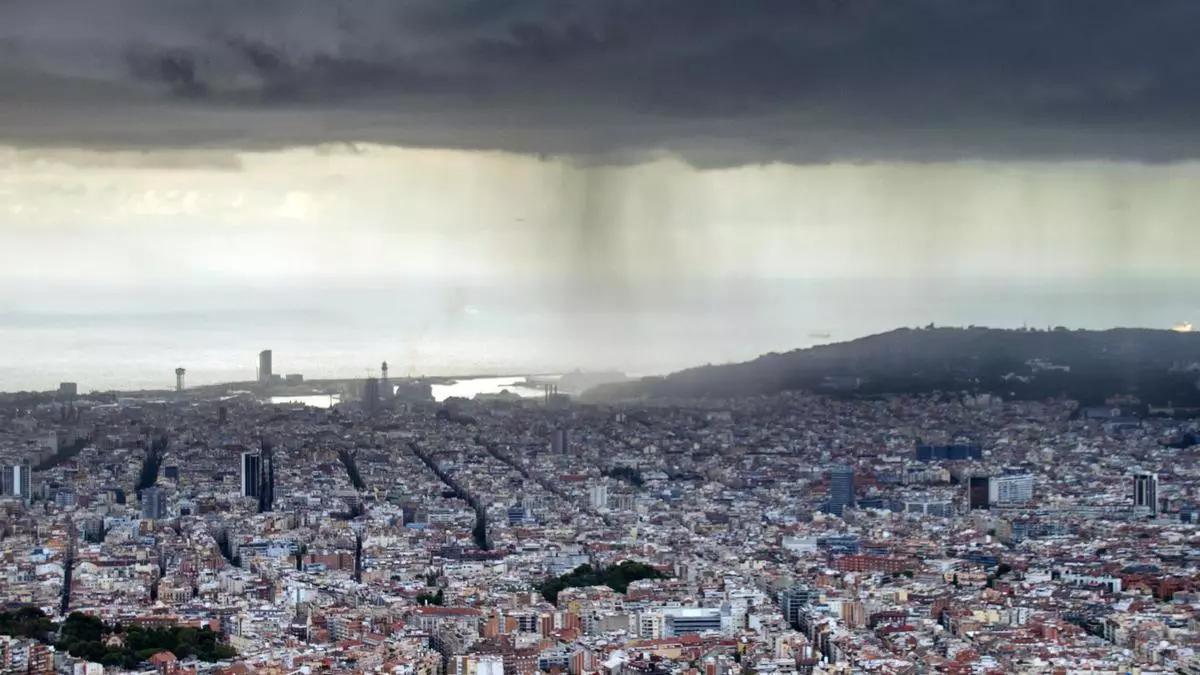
26 622
617 577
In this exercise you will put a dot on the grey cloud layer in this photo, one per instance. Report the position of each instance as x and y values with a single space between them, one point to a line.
718 82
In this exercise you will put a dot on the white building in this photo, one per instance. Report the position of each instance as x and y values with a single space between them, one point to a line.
598 496
1014 489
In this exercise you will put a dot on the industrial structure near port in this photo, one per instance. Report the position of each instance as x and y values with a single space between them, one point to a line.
370 389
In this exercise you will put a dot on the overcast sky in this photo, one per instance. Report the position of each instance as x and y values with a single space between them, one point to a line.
719 82
593 153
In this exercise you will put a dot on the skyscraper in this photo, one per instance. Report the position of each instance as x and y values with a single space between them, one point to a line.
370 396
978 492
558 441
264 367
1145 491
154 504
794 600
598 496
251 474
266 490
14 482
841 489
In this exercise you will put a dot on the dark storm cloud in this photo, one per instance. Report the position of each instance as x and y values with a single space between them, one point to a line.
718 82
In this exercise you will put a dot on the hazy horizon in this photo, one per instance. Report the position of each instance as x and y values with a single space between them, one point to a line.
457 330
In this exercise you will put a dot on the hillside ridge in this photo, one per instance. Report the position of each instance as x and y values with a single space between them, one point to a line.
1157 366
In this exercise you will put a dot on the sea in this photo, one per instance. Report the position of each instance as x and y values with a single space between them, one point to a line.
133 343
464 387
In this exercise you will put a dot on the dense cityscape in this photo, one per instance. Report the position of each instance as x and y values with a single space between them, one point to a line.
741 337
186 532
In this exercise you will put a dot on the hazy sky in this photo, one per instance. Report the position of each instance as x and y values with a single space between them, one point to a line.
529 184
374 214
